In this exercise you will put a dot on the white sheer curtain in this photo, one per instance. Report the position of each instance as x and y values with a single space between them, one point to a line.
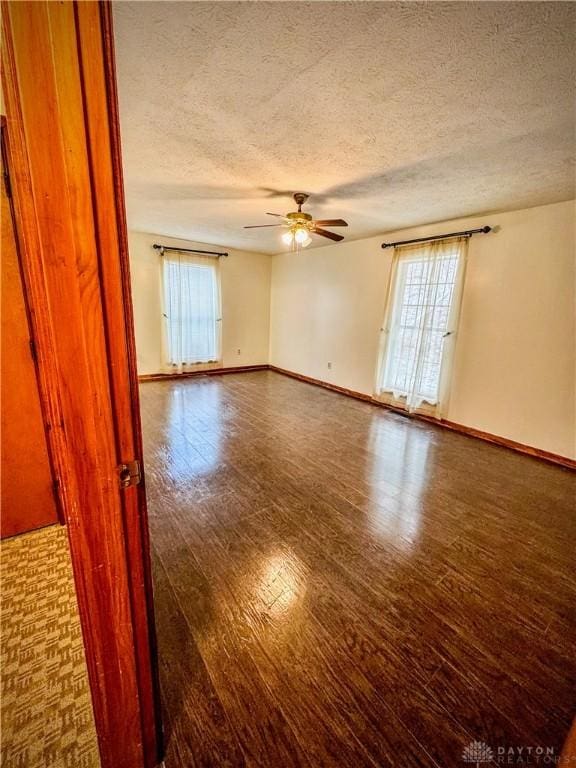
421 323
191 296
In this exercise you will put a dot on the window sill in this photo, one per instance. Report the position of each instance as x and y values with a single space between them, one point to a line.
174 370
425 409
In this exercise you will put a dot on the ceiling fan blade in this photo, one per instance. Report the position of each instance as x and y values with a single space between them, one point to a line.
329 235
276 214
331 223
259 226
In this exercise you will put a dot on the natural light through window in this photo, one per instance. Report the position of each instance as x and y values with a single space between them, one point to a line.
420 320
192 311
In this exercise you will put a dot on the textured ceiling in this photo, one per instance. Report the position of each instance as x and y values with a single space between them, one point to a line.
389 114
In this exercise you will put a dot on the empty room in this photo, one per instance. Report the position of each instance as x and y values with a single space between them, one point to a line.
296 288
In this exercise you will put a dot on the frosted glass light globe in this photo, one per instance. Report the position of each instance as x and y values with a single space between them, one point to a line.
301 235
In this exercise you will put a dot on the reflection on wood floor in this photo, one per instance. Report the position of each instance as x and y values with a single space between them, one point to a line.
336 585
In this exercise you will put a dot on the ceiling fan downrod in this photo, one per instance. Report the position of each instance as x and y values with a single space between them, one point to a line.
300 198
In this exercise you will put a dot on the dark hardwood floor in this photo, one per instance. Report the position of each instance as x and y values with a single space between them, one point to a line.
336 585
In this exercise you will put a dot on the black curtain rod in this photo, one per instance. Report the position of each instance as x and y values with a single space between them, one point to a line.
466 233
187 250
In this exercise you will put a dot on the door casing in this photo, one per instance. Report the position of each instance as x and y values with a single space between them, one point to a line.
59 88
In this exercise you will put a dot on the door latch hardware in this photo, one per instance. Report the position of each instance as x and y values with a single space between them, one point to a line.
129 474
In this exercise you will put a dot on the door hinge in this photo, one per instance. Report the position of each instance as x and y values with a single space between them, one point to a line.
129 474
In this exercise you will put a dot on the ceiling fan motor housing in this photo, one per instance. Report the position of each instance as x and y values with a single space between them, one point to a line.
299 216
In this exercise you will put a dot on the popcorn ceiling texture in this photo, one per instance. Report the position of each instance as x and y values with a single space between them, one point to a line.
390 114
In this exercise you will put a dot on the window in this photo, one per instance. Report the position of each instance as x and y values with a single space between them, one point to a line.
191 310
421 321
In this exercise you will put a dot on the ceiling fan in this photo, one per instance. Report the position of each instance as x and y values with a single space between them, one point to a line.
300 225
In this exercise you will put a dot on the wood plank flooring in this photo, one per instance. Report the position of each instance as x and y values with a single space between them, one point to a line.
336 585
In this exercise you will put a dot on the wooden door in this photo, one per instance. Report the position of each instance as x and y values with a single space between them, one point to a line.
27 498
64 155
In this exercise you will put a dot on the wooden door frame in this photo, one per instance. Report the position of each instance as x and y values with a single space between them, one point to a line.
63 145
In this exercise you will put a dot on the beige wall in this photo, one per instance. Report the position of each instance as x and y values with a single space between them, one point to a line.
245 288
514 367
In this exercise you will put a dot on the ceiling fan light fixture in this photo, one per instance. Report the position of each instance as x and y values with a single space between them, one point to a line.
297 237
301 236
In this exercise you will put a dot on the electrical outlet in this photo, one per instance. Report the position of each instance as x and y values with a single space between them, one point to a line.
238 351
329 366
